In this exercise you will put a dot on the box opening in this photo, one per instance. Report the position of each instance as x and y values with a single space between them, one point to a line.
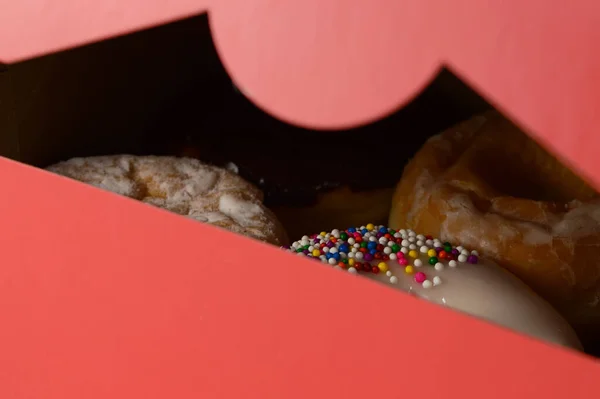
164 91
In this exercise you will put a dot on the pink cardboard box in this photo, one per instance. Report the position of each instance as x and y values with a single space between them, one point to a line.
103 297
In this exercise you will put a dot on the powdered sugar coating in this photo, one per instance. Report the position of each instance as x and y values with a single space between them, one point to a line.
184 186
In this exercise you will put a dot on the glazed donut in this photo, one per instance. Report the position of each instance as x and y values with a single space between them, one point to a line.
184 186
442 273
486 184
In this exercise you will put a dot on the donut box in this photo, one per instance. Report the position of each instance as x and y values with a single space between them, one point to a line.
101 296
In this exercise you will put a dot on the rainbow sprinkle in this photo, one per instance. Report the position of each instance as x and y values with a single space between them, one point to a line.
368 249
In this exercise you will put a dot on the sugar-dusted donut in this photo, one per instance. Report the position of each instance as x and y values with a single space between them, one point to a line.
446 274
486 184
184 186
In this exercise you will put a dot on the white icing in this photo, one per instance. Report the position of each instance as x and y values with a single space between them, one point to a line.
483 289
489 292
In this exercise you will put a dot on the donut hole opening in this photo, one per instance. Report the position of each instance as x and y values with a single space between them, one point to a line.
164 91
511 180
509 177
538 177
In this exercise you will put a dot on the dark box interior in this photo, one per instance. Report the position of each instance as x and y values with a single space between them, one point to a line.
163 91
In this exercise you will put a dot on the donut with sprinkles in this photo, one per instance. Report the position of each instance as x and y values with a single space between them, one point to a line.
441 272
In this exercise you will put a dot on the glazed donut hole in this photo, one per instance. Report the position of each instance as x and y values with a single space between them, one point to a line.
164 92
